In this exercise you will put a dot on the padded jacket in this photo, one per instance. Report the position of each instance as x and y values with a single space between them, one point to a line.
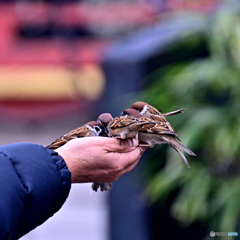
34 184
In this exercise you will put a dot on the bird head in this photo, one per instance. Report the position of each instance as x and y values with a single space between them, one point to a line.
98 128
138 106
145 109
131 112
105 118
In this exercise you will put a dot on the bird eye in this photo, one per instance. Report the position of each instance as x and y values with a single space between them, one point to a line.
124 113
98 129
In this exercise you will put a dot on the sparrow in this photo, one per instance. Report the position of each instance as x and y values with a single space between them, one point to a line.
154 135
93 128
89 129
159 132
150 123
126 126
104 119
146 110
149 113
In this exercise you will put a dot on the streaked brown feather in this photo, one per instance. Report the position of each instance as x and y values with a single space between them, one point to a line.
162 120
162 132
122 121
83 131
157 129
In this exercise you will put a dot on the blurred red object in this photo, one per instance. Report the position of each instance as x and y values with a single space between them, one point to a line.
51 54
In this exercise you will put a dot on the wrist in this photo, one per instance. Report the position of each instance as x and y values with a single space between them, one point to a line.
67 161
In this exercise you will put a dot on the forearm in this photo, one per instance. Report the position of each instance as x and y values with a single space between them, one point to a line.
34 182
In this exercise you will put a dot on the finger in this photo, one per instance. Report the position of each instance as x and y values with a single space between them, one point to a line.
129 168
129 158
113 145
129 144
142 149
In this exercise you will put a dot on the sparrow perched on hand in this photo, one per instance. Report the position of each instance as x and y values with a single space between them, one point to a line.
126 126
154 135
94 128
146 110
160 131
89 129
104 119
163 127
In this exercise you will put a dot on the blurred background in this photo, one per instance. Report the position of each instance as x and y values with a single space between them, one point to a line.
62 63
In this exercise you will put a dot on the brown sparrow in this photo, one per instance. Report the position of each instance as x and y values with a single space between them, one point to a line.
126 126
154 135
149 111
93 128
146 109
104 119
161 127
160 132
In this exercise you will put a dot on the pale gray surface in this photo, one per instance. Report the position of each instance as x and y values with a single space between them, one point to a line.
83 216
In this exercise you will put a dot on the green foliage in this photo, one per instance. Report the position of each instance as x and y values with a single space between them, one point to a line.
209 88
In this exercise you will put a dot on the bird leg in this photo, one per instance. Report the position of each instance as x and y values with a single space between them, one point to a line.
151 144
143 145
123 136
137 141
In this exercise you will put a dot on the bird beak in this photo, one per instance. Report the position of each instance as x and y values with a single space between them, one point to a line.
104 131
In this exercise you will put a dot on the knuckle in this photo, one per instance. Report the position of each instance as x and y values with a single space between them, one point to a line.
114 178
118 167
116 171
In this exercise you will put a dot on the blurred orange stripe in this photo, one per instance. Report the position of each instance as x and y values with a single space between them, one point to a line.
51 82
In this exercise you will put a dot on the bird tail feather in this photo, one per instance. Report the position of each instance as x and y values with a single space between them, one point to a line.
174 112
182 156
179 145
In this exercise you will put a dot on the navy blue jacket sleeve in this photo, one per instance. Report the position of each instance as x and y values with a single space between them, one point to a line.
34 184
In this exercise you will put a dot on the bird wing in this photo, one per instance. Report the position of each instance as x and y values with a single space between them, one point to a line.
152 110
157 128
76 133
83 131
163 121
122 121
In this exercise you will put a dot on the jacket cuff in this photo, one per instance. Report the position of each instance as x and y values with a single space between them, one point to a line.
62 169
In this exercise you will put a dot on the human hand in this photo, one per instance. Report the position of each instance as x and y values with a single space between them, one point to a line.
99 159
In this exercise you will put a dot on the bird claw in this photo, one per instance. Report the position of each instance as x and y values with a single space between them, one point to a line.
119 140
143 145
135 142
